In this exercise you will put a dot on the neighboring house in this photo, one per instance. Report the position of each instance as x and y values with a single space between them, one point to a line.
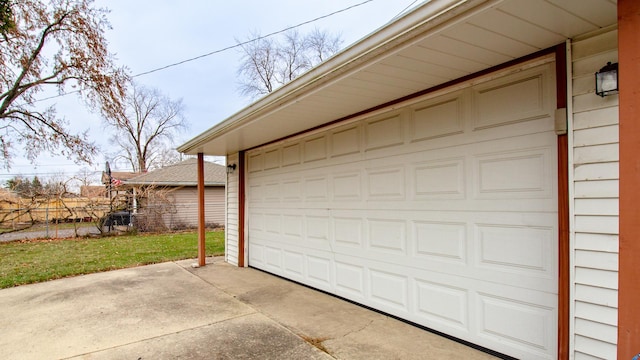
456 169
93 191
171 195
120 195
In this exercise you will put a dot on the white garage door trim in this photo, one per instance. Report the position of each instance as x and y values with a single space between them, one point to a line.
355 209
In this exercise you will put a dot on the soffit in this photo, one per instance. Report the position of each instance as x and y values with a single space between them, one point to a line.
438 42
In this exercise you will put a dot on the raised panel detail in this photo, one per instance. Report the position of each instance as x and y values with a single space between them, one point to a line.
386 183
528 325
384 132
441 241
293 263
272 257
272 159
437 120
291 155
348 231
292 225
272 191
511 102
255 193
389 289
257 222
272 223
350 278
315 149
256 162
315 189
293 190
319 270
387 235
345 142
515 248
347 187
439 180
256 254
317 227
442 303
514 175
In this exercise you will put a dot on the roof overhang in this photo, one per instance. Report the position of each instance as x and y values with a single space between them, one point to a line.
436 43
170 183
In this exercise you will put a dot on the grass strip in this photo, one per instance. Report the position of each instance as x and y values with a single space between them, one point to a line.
31 261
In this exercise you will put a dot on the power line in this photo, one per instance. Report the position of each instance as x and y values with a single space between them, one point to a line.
45 173
223 49
403 10
253 40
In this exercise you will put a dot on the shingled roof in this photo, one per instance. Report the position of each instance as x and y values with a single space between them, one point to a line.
184 173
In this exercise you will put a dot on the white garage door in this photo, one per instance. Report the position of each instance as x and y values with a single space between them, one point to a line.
443 212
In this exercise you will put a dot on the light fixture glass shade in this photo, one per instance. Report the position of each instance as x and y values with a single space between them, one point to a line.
607 80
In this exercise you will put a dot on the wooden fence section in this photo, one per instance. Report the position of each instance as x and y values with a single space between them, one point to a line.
15 211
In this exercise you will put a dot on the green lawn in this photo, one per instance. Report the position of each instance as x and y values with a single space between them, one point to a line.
35 261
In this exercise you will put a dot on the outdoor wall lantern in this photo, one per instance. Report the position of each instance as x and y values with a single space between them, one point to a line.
231 168
607 80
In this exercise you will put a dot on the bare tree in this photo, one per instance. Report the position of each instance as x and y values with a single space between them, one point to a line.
54 44
292 57
147 127
267 63
258 66
321 45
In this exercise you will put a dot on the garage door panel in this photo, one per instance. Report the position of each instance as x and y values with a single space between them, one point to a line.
440 242
509 247
389 291
347 187
320 271
525 92
520 322
293 264
441 179
385 183
436 118
345 141
384 132
475 138
348 232
443 212
350 280
515 249
387 236
442 304
256 254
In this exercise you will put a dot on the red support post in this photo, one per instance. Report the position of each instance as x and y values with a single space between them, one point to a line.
201 224
629 226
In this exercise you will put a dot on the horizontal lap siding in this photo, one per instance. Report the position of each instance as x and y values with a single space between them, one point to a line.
185 201
231 223
595 203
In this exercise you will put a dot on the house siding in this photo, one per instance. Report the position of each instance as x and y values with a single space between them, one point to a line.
594 202
186 207
232 198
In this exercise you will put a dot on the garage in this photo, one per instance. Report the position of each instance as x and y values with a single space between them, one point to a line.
428 172
440 210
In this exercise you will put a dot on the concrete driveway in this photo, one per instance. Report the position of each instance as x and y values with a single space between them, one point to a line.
171 310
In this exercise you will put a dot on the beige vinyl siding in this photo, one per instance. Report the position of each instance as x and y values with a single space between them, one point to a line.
185 201
594 140
231 228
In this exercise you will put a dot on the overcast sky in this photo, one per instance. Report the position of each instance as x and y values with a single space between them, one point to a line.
149 34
